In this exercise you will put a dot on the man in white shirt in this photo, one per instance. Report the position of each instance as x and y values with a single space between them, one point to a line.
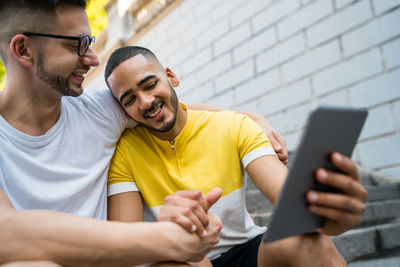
56 143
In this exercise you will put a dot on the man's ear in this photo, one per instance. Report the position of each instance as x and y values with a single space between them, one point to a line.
21 49
173 79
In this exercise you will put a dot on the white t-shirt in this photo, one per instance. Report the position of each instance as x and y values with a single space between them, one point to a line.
65 169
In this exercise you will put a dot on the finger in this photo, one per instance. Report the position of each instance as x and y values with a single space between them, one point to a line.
185 217
279 145
194 195
342 182
346 165
177 218
200 223
215 225
275 142
176 200
213 196
282 157
344 218
189 208
336 201
282 143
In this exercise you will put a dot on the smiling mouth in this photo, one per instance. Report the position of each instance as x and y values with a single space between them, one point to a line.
80 75
155 109
80 72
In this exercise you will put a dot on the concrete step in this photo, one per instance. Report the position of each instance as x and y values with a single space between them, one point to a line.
379 186
376 212
388 258
368 241
386 196
383 191
368 178
256 201
380 211
380 262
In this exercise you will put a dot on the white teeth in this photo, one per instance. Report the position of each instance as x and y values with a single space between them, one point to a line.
154 112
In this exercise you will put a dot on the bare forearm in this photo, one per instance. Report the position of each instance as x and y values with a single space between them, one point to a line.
268 174
74 241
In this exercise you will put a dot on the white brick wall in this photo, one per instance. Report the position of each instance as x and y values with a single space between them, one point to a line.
378 30
255 45
310 62
385 5
304 17
339 22
348 72
232 39
377 91
273 13
257 86
280 53
234 76
375 125
382 152
282 57
391 53
341 3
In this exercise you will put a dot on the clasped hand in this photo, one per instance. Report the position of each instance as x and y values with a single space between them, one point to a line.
189 208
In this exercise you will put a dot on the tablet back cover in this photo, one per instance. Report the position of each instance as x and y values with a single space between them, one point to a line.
327 130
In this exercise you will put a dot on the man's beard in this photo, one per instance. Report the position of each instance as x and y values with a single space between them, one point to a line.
169 124
58 83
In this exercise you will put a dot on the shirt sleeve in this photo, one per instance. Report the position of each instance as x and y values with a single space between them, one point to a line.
102 103
251 141
120 175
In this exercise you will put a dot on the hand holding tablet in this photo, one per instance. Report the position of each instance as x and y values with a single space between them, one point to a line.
327 130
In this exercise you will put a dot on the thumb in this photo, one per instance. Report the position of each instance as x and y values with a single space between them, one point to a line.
213 196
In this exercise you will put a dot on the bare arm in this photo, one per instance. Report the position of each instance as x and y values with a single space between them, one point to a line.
268 174
125 207
128 207
75 241
277 141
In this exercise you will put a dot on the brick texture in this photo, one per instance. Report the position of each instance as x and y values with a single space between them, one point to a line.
282 57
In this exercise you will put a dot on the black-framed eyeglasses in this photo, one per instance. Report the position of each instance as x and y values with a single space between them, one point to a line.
84 41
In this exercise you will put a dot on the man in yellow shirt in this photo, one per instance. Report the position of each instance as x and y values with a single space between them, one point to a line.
174 148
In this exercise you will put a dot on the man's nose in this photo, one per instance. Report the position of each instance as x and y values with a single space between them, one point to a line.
90 58
146 100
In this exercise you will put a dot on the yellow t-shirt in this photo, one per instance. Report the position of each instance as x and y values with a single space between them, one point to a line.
212 150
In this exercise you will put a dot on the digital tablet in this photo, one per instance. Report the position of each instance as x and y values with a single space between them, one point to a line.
328 129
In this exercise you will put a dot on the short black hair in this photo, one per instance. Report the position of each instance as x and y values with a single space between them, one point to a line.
29 15
23 8
124 53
